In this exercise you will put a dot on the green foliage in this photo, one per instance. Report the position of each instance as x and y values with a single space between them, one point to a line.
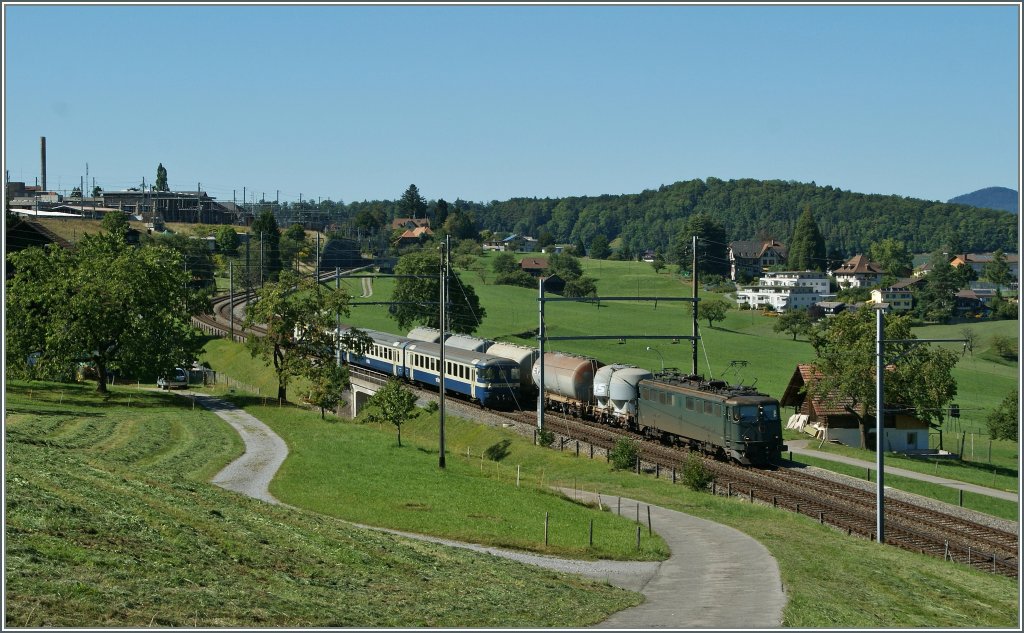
658 264
892 255
505 263
161 179
998 271
806 246
395 403
264 231
516 278
227 240
920 377
545 437
713 309
599 247
460 226
412 204
498 451
115 223
624 454
565 265
580 287
107 303
793 322
328 384
696 474
1004 346
712 246
419 297
936 301
1004 421
299 316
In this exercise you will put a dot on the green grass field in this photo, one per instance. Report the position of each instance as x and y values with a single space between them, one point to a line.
110 522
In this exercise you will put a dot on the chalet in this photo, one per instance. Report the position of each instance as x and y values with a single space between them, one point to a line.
534 265
834 421
967 303
750 258
408 224
414 236
978 261
858 272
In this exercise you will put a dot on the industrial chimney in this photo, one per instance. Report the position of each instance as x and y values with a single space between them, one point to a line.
42 159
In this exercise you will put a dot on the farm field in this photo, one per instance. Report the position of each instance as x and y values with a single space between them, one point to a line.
983 378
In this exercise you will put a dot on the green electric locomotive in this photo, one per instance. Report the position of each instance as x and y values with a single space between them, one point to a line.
726 421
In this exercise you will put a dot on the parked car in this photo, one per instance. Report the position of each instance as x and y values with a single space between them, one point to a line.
177 380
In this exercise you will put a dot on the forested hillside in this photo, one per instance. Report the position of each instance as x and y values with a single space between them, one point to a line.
850 222
990 198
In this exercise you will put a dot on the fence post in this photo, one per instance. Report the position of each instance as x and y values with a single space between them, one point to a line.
650 529
638 537
961 497
591 533
591 451
618 507
673 474
517 475
577 448
545 529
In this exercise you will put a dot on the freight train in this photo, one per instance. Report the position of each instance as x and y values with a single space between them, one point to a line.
726 421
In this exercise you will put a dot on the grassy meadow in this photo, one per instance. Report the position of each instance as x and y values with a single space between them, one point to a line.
818 564
110 522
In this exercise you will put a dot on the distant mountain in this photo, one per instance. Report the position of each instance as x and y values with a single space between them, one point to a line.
990 198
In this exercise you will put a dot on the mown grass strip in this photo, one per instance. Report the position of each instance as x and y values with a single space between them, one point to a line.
129 534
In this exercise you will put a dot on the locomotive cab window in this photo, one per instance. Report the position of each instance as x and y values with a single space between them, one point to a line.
745 413
771 412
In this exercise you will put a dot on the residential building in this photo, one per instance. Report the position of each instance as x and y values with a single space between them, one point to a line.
777 298
828 308
830 419
978 261
897 297
815 280
858 272
414 236
750 258
534 265
408 224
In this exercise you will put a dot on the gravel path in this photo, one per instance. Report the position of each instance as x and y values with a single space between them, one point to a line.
707 561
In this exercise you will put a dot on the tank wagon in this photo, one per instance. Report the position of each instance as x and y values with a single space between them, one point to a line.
568 382
616 388
725 421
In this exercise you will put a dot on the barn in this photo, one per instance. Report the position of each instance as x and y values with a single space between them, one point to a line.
904 433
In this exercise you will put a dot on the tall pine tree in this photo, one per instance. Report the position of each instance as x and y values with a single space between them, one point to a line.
807 247
161 178
265 231
412 204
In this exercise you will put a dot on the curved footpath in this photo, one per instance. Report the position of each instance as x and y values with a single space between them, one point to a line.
708 560
799 447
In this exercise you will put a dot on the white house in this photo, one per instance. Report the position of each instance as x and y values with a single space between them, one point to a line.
858 272
817 281
778 298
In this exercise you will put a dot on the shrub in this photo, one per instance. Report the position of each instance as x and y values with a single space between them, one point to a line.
432 406
624 455
498 452
696 474
545 437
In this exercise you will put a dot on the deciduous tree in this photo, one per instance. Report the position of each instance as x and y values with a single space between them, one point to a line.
106 303
1004 420
918 377
300 319
264 229
713 309
395 403
161 178
417 298
793 322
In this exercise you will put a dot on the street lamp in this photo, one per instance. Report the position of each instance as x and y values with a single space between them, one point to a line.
651 349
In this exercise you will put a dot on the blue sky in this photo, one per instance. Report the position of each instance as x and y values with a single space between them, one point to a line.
487 103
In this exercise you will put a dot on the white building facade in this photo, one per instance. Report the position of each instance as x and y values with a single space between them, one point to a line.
785 290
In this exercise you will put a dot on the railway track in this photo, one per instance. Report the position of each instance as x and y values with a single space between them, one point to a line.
844 507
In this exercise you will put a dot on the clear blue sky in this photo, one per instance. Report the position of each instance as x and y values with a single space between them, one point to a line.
487 103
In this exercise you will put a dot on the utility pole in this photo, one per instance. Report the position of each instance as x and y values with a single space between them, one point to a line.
337 320
231 295
261 259
693 275
540 338
444 329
